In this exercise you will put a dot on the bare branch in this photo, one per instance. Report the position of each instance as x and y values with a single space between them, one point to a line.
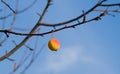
8 6
101 10
74 19
116 4
21 11
65 27
25 40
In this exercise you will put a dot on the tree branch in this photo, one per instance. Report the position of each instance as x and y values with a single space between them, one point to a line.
8 6
65 27
101 10
31 32
18 12
116 4
74 19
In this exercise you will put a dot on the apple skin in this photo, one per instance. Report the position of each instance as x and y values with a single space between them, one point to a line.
54 44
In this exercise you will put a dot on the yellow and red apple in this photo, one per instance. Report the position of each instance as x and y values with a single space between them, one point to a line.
54 44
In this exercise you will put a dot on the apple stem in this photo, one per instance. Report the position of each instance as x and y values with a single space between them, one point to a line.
52 34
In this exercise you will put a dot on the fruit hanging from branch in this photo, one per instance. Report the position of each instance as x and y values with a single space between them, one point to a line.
54 44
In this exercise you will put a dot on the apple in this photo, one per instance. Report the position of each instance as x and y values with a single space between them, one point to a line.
54 44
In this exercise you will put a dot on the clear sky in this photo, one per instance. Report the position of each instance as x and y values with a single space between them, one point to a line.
91 48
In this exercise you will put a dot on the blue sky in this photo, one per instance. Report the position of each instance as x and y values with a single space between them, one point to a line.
91 48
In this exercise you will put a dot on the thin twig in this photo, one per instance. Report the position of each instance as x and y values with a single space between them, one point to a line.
116 4
21 11
100 10
8 6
